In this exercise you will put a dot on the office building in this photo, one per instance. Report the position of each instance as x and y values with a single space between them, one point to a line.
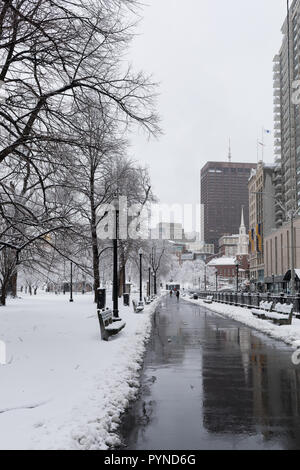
224 191
287 117
261 217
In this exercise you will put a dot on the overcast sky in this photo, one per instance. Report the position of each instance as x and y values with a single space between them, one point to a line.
213 60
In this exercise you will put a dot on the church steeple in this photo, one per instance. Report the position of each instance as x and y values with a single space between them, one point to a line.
242 220
243 246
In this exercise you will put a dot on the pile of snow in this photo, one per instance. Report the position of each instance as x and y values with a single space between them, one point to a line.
62 387
289 334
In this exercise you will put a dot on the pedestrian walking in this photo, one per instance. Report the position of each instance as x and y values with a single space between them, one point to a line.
177 294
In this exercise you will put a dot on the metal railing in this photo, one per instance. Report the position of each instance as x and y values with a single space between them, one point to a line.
250 300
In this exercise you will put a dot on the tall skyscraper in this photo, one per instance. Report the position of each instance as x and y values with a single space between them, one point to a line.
287 116
224 191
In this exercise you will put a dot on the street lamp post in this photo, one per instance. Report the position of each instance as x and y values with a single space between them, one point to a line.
205 280
237 265
141 276
216 281
149 281
155 283
71 283
115 259
152 294
273 283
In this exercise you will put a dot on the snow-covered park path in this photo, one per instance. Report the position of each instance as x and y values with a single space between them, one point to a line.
62 387
289 334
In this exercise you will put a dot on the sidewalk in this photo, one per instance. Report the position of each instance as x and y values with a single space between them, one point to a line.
62 387
289 334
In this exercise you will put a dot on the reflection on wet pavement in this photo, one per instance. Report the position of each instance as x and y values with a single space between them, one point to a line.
211 383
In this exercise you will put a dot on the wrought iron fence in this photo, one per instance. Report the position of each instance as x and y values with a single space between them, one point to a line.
250 300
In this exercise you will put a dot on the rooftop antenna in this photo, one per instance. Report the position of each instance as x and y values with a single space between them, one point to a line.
229 153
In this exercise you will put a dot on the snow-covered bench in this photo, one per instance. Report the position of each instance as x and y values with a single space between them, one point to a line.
194 296
108 325
147 300
209 299
137 308
282 314
264 308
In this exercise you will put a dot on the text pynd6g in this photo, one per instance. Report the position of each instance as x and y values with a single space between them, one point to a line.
172 459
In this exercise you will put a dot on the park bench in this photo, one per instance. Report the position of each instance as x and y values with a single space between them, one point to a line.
209 299
137 308
108 325
281 314
147 300
264 308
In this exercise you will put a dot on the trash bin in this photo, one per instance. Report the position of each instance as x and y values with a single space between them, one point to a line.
126 298
101 299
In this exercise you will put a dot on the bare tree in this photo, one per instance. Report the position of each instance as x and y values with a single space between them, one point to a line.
54 54
57 57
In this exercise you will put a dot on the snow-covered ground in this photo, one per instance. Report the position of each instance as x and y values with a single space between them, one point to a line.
62 387
289 334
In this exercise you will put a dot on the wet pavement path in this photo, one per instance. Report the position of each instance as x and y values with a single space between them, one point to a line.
211 383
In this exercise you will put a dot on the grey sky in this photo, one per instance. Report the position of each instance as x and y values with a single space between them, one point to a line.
213 60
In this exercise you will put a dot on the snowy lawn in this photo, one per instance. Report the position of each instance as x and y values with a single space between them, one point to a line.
289 334
62 387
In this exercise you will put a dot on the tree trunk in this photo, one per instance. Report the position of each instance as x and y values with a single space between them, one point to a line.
122 273
95 250
122 281
13 282
3 295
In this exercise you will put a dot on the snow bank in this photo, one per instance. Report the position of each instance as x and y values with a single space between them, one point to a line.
62 387
289 334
